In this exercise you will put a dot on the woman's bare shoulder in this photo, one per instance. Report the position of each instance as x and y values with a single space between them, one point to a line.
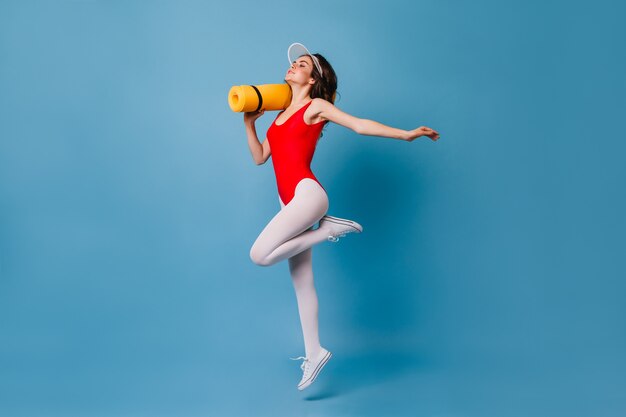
312 114
320 103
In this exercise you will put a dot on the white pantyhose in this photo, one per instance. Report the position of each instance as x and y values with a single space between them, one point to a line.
290 235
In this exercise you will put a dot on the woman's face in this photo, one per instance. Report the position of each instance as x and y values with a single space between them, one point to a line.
300 70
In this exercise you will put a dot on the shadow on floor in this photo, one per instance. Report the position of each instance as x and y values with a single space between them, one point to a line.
350 373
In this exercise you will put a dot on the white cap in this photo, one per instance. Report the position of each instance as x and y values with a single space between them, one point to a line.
296 50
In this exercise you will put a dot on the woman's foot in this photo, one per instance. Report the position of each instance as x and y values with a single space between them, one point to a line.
337 227
312 367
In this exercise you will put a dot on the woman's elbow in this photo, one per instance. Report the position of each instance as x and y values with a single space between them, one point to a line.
262 160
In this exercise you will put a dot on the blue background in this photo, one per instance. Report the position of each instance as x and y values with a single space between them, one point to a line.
489 279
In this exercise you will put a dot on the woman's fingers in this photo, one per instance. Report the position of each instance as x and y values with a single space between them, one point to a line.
255 114
431 133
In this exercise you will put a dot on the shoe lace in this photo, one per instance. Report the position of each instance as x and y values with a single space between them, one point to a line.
335 237
304 365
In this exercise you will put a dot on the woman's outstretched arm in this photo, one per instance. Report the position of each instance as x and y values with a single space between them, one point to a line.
329 111
260 151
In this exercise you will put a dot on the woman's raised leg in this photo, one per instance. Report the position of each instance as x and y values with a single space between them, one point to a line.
290 231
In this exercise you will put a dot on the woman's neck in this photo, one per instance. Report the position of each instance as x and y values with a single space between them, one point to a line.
299 95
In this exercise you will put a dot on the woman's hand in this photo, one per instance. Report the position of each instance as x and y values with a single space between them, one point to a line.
250 117
422 131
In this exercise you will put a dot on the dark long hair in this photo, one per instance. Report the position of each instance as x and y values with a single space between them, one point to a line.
325 85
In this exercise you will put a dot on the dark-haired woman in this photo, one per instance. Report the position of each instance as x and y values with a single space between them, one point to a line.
293 137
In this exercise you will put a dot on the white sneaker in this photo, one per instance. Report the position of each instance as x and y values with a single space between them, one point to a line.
312 367
338 227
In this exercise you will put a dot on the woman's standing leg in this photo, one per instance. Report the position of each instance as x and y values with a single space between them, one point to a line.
301 270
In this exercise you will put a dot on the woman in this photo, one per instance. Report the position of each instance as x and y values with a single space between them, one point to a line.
293 137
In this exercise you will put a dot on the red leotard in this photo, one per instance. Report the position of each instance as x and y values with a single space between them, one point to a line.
293 144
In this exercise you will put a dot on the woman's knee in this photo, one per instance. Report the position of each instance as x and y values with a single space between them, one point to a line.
258 256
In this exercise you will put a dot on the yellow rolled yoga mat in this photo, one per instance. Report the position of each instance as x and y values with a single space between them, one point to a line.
247 98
